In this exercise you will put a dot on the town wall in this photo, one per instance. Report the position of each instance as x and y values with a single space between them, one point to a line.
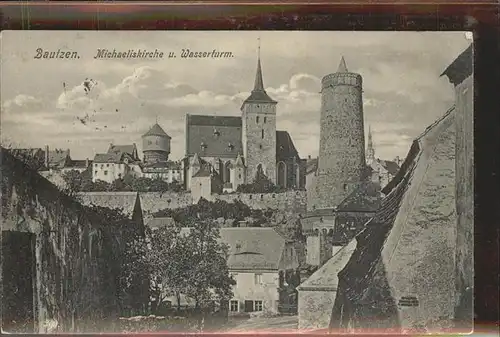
69 242
315 308
152 202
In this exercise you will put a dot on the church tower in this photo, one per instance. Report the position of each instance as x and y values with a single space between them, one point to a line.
341 162
259 130
370 150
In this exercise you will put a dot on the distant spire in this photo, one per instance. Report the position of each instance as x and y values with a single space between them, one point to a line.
370 150
342 66
259 82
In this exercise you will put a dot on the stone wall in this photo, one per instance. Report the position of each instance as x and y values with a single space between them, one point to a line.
465 197
287 201
152 202
315 308
73 277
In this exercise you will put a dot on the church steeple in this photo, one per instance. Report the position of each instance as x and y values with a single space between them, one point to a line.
370 150
259 82
259 94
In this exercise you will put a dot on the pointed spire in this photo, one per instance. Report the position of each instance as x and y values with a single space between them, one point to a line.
195 161
342 66
239 161
259 82
370 150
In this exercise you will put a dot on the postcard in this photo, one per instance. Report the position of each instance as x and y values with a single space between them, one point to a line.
236 181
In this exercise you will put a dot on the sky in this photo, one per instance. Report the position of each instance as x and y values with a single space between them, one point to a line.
43 100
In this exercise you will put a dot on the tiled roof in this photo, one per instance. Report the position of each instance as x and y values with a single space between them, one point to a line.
284 146
253 247
366 198
213 136
108 157
461 67
125 201
156 130
402 190
326 277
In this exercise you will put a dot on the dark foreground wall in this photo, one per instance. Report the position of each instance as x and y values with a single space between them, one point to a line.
58 247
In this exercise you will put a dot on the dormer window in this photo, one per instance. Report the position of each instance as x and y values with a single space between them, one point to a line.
238 247
203 146
216 133
230 146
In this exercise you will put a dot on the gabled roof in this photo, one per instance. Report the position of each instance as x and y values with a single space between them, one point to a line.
156 130
254 248
366 198
108 157
284 146
131 150
125 201
204 171
326 277
213 136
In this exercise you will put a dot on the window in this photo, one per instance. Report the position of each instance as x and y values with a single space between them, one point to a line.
265 119
233 306
150 142
239 176
258 306
95 172
345 187
260 146
262 133
105 173
258 278
107 165
257 119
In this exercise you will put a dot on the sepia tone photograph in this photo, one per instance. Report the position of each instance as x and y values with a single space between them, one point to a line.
236 181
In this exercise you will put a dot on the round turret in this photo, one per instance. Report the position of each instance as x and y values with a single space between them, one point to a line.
155 145
342 146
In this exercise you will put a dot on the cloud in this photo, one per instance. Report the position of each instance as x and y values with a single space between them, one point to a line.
22 103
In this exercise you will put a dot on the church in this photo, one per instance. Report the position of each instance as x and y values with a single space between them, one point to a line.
231 150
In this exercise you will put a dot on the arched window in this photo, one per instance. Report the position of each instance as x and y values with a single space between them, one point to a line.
282 174
227 172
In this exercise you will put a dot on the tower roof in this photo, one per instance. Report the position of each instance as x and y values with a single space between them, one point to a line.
156 130
342 66
259 94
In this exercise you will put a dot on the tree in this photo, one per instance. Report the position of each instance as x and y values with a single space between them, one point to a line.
209 279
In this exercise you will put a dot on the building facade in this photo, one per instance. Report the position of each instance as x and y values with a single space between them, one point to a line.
259 258
115 164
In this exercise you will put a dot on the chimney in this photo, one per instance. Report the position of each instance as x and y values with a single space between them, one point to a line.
46 160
